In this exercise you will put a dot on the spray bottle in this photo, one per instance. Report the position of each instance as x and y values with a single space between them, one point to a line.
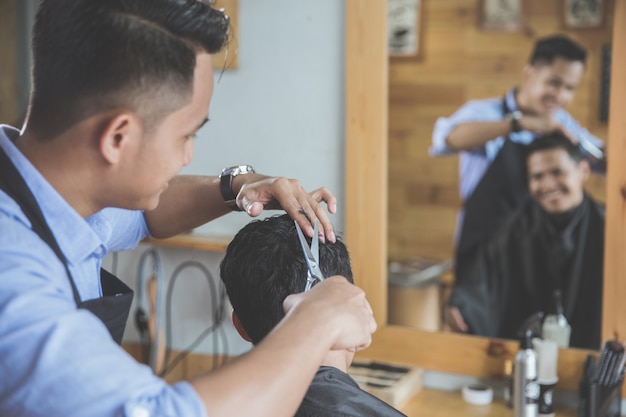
525 386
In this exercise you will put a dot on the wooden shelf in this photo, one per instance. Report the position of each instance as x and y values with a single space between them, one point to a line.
193 241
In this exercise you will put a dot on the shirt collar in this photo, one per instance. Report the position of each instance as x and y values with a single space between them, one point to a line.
509 98
74 235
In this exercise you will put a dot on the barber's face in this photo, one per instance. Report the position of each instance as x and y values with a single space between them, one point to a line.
162 155
555 180
550 87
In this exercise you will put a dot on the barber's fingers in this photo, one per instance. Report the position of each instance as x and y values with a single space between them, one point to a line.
372 328
326 229
323 194
307 209
288 194
341 309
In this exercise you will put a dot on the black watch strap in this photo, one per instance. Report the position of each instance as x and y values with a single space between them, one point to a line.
226 187
514 118
226 183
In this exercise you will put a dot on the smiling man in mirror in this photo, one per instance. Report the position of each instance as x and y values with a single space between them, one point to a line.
492 134
554 243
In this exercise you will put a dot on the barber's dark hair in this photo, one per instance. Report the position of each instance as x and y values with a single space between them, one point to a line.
555 140
549 48
97 55
264 264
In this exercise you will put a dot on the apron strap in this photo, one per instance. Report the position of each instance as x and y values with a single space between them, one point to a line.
12 183
113 308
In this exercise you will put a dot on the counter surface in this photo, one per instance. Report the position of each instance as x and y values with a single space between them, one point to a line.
437 403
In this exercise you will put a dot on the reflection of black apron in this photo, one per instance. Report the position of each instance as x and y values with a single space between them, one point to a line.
501 191
114 306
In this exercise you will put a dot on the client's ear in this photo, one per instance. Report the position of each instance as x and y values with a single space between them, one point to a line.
242 332
585 169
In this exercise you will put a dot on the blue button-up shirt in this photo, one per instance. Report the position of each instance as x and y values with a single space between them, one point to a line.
56 359
474 163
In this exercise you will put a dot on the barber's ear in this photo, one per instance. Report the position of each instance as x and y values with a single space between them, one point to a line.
242 332
119 132
527 71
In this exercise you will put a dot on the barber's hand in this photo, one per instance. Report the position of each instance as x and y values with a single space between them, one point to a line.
455 320
339 306
288 194
543 124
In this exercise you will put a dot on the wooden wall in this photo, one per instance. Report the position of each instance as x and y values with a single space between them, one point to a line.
460 62
8 66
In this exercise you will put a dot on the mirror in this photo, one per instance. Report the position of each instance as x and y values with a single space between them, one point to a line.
366 210
460 62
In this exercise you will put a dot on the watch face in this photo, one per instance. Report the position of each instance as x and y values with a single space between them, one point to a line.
238 169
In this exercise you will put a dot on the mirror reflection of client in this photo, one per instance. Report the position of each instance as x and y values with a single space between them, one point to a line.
263 265
556 241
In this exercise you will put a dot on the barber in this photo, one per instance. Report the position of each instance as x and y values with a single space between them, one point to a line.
120 89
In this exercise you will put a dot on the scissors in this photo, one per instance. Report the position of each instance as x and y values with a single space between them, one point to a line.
312 256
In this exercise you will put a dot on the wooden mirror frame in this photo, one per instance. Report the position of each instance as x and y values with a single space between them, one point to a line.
366 83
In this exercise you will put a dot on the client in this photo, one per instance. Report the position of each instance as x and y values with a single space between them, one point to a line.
555 242
263 265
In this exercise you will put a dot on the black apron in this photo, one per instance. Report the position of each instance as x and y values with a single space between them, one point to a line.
499 193
511 277
114 305
333 393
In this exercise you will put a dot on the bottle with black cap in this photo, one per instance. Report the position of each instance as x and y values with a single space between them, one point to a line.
525 386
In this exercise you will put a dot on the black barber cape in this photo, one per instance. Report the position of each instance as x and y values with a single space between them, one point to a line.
334 393
514 272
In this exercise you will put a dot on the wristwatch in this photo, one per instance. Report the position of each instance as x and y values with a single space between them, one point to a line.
514 118
226 183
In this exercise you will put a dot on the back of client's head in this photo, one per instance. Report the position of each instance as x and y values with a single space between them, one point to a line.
264 264
555 140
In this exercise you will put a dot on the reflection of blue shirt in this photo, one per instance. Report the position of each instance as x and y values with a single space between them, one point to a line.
55 359
474 163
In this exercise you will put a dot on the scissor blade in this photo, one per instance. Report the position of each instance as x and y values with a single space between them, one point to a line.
315 244
315 251
312 261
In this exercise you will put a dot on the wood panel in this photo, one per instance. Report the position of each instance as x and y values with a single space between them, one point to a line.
366 148
461 62
467 355
228 58
613 317
8 63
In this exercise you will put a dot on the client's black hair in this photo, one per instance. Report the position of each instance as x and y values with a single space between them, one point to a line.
265 263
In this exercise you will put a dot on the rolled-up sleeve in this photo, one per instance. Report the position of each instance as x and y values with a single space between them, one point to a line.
472 111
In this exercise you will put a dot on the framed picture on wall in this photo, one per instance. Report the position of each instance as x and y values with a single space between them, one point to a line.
507 15
404 28
583 14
